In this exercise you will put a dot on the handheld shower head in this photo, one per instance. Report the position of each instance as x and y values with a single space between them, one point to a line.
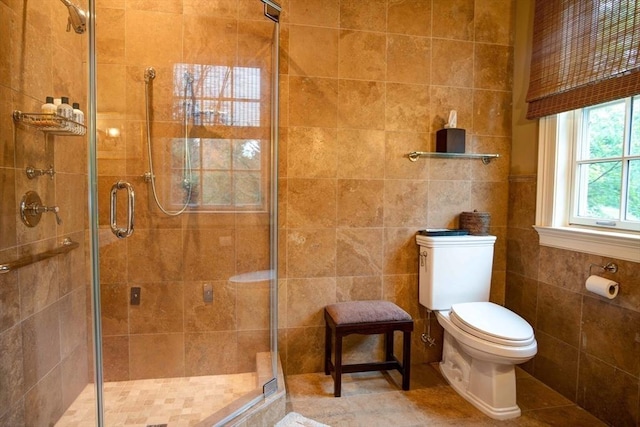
149 74
77 17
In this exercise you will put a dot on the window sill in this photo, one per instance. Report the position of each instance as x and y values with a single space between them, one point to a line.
623 246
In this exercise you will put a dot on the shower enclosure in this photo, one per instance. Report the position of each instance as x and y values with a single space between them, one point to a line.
165 310
184 117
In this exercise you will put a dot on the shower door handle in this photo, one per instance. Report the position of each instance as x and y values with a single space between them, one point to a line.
121 233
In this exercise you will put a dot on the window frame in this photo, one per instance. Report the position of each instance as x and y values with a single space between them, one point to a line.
577 159
556 141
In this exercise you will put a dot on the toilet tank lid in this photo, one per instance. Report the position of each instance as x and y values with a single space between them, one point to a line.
494 320
455 241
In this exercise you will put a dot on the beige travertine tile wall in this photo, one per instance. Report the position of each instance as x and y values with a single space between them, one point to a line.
587 345
361 86
44 308
363 83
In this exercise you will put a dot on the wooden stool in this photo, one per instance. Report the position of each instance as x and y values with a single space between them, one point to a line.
366 317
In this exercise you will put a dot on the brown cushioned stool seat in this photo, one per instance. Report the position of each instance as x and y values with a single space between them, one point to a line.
366 317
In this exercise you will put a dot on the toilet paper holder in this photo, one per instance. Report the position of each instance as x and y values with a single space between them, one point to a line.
611 267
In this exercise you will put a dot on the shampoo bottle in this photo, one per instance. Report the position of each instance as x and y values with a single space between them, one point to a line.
65 110
49 110
78 117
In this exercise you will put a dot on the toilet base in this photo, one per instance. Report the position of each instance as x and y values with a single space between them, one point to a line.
489 386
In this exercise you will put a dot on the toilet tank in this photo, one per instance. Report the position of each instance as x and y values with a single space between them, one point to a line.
454 269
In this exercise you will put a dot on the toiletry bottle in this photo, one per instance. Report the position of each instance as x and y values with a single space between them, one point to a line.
49 110
65 110
78 117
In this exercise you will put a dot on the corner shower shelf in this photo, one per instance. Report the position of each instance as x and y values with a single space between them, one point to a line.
52 124
486 158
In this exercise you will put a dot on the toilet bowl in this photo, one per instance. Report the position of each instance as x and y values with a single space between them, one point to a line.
482 344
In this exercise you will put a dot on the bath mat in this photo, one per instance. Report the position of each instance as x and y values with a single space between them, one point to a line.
293 419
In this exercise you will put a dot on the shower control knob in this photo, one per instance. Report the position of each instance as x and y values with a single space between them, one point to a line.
33 172
55 211
31 209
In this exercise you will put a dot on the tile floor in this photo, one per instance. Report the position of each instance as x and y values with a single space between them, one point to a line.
171 401
368 399
376 399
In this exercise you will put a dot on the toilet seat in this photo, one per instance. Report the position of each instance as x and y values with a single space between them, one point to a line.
493 323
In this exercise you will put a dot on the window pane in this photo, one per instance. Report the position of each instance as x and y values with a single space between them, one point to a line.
216 154
177 153
215 81
633 193
246 154
246 84
247 188
216 188
600 190
246 114
179 189
214 112
635 127
605 131
194 153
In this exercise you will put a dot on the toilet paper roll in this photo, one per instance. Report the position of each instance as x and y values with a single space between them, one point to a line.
601 286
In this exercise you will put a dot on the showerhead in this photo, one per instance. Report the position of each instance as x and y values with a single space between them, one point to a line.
77 17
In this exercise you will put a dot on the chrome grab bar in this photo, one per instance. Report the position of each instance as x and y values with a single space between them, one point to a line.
121 233
67 245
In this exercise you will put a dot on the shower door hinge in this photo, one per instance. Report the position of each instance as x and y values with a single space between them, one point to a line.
270 387
272 10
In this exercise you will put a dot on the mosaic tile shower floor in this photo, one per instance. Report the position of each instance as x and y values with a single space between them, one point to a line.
171 401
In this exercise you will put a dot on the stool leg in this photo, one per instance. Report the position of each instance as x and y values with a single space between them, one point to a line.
406 360
337 380
388 346
327 349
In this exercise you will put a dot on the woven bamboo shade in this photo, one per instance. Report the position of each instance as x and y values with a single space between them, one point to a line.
585 52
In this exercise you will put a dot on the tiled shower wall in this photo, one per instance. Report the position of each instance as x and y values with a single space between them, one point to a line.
173 332
364 83
43 306
588 346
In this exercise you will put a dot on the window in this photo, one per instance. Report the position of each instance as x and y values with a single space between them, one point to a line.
220 115
588 173
606 166
217 94
228 174
584 54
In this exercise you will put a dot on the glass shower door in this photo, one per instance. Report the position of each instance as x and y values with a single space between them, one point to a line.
186 195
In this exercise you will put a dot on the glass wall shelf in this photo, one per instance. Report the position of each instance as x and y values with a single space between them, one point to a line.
53 124
486 158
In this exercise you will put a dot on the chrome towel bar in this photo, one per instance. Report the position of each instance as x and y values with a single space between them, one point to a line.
67 246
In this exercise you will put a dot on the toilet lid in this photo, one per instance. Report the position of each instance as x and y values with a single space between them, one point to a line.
492 322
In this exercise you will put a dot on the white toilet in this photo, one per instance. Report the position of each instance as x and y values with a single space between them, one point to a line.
482 341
